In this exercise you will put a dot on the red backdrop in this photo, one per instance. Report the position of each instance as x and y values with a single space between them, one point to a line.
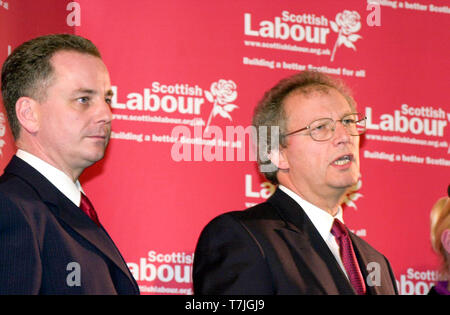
188 64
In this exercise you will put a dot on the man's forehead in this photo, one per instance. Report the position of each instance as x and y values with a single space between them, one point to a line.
86 73
68 61
299 97
301 108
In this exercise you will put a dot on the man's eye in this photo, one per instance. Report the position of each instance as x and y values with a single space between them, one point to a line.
348 121
320 127
83 100
108 101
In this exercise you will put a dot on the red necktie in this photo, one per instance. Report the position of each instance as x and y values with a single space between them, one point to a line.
88 208
348 256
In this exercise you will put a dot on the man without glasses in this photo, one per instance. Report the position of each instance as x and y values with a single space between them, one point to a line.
57 94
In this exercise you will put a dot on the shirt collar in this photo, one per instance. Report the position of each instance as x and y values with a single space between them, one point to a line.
55 176
322 220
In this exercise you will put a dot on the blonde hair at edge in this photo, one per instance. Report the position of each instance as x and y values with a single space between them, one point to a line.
440 221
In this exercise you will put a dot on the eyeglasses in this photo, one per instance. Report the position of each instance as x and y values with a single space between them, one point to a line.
323 129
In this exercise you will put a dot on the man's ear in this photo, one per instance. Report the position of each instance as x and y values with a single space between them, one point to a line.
27 114
278 158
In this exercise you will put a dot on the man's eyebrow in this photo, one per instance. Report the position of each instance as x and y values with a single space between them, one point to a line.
84 91
108 93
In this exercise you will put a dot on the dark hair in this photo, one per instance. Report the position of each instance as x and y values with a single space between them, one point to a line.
270 112
28 70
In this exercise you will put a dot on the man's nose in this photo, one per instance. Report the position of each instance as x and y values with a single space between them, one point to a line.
104 113
341 133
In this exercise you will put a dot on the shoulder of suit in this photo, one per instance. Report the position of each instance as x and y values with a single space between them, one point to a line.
15 187
239 227
261 217
262 211
21 199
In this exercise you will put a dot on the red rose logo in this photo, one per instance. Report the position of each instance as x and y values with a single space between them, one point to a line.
222 93
347 23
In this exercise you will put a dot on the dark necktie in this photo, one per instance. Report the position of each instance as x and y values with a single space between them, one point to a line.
88 208
348 256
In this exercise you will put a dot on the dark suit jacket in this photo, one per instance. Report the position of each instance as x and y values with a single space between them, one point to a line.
273 248
42 233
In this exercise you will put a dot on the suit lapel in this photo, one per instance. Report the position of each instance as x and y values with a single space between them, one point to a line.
364 259
84 226
307 244
302 250
368 263
68 212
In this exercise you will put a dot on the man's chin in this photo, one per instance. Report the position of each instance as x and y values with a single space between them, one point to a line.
345 184
93 158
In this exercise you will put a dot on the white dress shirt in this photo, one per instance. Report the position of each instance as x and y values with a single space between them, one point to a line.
322 221
58 178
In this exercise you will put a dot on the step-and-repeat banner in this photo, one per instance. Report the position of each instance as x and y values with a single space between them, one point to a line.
187 76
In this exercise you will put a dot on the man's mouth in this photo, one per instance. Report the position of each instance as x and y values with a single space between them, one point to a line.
344 159
100 134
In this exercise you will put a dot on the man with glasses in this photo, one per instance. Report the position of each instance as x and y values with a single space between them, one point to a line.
296 242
